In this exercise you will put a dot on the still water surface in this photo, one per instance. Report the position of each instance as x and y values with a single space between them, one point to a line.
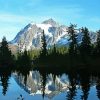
38 85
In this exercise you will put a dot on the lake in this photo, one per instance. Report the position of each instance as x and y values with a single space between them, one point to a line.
49 85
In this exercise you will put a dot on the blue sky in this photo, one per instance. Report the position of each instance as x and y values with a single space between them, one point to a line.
15 14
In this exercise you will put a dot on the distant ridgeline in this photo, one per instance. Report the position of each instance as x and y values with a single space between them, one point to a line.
80 51
30 36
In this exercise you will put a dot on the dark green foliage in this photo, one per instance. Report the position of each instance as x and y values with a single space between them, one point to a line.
54 51
23 59
34 53
44 46
73 46
73 39
97 48
6 57
23 64
85 47
53 55
74 55
77 54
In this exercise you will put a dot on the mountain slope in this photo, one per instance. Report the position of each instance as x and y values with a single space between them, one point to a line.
30 36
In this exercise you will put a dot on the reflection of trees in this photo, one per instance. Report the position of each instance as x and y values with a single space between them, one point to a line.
82 78
52 83
98 87
5 74
72 86
24 71
85 84
4 80
43 83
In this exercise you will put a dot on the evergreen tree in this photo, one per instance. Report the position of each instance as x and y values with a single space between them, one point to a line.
54 49
23 59
73 39
6 57
98 43
44 46
85 47
54 54
26 58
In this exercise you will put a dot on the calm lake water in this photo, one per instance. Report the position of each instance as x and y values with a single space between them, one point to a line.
43 85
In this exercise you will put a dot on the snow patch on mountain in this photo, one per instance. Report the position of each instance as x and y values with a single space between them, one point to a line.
45 27
30 37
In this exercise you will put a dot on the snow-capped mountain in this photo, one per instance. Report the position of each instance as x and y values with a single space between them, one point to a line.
30 36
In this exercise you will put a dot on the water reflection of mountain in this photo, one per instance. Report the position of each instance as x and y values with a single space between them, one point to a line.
34 85
50 85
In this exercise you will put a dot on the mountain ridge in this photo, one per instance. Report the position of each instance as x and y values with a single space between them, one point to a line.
30 36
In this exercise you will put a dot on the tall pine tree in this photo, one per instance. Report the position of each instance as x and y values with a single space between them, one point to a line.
6 57
98 43
85 47
73 39
44 46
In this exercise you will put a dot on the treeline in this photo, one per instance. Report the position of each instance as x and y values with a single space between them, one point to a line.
77 54
7 59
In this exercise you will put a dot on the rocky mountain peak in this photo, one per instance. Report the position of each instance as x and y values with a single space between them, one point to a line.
30 36
51 22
